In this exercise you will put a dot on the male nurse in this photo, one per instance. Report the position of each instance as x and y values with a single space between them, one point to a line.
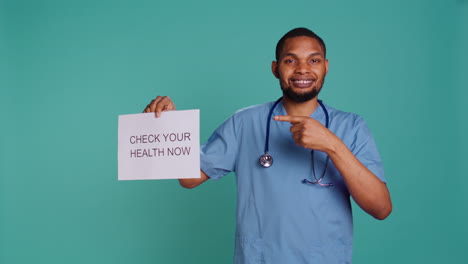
294 206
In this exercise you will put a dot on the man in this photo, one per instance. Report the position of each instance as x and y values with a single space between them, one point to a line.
294 206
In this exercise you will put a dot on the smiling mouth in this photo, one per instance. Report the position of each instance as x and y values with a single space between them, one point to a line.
302 83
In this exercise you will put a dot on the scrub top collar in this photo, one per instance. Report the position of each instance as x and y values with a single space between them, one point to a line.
318 113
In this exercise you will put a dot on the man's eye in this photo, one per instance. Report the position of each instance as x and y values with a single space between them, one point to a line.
288 61
315 60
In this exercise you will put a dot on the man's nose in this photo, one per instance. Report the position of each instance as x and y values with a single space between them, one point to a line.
302 68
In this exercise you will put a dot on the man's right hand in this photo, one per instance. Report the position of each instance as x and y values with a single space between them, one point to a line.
164 103
160 104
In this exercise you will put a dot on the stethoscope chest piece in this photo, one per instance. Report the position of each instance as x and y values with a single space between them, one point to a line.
266 160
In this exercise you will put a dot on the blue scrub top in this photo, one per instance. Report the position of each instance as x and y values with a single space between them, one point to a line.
280 219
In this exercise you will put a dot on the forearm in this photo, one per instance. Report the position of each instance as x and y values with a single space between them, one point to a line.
368 191
192 183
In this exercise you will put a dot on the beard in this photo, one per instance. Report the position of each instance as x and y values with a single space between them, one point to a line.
302 97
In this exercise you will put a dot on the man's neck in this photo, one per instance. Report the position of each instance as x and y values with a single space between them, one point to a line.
300 109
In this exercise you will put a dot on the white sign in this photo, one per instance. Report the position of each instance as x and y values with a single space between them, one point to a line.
167 147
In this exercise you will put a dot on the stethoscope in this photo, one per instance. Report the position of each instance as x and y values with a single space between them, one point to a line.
266 160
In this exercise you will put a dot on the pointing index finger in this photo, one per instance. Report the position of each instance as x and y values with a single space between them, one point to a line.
291 119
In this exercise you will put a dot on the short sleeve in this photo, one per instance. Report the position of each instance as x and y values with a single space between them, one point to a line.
365 149
218 154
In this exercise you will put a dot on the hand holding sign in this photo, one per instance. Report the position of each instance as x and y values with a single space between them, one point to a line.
308 132
164 103
161 103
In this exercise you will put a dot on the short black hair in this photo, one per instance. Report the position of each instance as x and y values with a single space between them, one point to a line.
299 32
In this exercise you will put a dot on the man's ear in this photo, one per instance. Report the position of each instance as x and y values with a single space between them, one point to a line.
274 69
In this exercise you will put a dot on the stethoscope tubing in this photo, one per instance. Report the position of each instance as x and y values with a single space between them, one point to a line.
266 160
270 115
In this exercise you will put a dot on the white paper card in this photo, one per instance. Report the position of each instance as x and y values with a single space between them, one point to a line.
167 147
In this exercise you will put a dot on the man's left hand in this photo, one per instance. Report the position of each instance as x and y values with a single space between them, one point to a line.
308 132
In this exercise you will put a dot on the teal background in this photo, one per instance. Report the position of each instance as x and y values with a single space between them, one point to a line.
69 68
